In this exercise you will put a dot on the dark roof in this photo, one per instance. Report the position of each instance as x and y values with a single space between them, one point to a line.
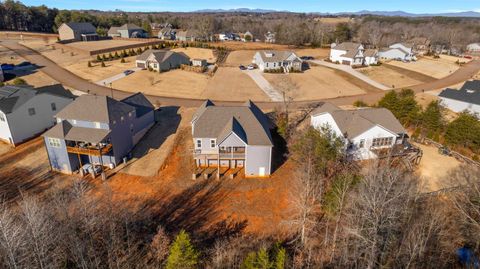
140 102
348 46
84 27
95 108
247 121
64 130
160 55
469 93
276 55
12 97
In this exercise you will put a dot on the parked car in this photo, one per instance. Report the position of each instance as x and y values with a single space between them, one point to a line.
242 67
444 151
128 72
7 67
306 58
250 67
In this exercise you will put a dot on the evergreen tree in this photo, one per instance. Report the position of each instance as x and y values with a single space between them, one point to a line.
116 55
182 253
432 119
122 60
110 56
250 261
89 64
464 131
263 260
279 255
103 64
99 58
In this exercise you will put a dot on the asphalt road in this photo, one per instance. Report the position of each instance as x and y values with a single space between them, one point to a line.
73 81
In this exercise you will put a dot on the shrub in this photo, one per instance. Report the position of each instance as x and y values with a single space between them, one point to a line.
124 53
110 56
182 253
360 103
103 64
89 64
99 58
122 60
116 55
19 81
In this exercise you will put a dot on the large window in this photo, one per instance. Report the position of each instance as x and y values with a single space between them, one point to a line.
382 141
54 142
31 111
212 143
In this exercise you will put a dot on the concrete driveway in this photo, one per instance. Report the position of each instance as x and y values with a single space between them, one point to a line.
263 84
348 69
107 81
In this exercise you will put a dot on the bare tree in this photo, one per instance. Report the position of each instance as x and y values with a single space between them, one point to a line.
11 238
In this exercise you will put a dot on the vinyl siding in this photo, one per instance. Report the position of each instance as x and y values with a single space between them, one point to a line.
459 106
256 158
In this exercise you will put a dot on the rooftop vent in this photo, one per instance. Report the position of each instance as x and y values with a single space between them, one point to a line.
269 54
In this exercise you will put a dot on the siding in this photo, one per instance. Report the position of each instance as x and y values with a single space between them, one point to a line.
232 141
65 32
459 106
59 158
368 136
256 158
5 129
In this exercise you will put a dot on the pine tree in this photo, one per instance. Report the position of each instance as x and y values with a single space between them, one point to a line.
250 261
124 53
103 64
110 56
263 261
182 253
89 64
122 60
279 254
99 58
116 55
432 119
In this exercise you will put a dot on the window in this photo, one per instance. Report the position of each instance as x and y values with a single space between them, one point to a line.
54 142
74 122
362 143
129 114
31 111
54 106
199 143
97 125
122 118
382 141
212 143
2 117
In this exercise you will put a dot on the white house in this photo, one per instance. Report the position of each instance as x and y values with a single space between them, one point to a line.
473 48
398 51
371 56
26 112
347 53
276 59
467 98
161 60
365 131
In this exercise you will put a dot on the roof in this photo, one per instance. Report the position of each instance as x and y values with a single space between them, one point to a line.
469 93
12 97
141 104
355 122
184 33
277 55
84 27
64 130
370 53
160 55
130 26
113 30
247 121
348 46
94 108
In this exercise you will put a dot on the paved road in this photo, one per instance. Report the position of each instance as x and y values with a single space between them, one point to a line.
264 85
348 69
73 81
108 81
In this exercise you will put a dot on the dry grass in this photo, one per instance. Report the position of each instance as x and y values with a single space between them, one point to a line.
199 53
389 77
97 72
103 44
437 68
238 45
316 53
174 83
317 83
229 83
245 57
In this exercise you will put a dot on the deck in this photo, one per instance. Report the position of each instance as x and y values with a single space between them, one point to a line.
91 151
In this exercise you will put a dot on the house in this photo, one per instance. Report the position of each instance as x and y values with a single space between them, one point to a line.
365 131
77 31
97 130
270 37
185 36
233 137
228 37
371 56
277 59
161 60
347 53
199 62
26 111
128 30
420 44
473 48
398 51
466 98
167 33
247 37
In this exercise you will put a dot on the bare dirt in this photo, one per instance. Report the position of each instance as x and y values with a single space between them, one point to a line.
97 72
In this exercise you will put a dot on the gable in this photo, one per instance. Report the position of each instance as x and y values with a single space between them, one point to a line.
375 132
325 120
232 140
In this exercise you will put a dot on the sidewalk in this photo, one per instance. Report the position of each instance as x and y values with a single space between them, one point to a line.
263 84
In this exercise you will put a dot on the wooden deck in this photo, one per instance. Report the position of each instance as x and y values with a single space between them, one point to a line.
90 151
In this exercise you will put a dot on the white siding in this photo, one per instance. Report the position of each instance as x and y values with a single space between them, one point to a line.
459 106
257 158
326 120
368 136
4 128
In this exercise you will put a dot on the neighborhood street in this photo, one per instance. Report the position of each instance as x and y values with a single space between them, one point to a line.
71 80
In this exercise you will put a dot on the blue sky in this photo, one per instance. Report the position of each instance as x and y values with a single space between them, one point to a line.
414 6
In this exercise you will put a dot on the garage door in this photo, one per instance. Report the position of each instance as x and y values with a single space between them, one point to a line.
141 65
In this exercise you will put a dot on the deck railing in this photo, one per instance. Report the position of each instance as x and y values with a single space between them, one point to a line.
92 151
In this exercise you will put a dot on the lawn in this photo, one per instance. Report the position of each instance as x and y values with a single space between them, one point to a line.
389 77
437 68
97 72
198 53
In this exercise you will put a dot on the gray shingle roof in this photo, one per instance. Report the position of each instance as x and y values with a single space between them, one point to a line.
469 93
370 53
160 55
130 26
348 46
66 131
247 121
354 122
277 55
82 27
140 102
12 97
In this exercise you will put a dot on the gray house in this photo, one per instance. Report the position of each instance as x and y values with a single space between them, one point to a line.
233 137
185 36
26 112
127 30
277 59
97 130
77 31
161 60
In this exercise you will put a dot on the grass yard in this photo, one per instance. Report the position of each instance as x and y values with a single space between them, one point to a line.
103 44
316 53
389 77
230 84
317 83
240 57
437 68
238 45
200 53
174 83
97 72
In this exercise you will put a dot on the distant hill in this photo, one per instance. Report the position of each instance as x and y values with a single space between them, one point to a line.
240 10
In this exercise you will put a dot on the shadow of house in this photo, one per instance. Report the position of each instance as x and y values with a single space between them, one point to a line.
167 122
24 71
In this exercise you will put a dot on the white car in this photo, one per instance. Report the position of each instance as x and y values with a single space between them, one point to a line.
250 67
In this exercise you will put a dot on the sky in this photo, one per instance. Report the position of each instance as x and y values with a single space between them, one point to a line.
413 6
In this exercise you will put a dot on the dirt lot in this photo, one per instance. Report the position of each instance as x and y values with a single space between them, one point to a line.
434 167
437 68
176 83
389 77
61 56
32 77
198 53
103 44
229 83
317 83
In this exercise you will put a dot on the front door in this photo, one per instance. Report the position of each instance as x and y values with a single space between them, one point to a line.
261 171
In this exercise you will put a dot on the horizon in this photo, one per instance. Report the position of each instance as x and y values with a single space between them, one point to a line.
302 6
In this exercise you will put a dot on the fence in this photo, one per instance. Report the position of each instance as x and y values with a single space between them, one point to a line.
455 154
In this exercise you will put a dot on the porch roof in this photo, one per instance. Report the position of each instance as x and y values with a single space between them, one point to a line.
66 131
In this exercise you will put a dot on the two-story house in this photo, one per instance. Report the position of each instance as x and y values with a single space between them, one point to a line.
127 30
26 111
347 53
277 59
366 131
233 137
97 130
398 51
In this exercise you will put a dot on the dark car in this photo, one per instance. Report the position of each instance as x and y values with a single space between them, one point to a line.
24 64
242 67
306 58
8 66
128 72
